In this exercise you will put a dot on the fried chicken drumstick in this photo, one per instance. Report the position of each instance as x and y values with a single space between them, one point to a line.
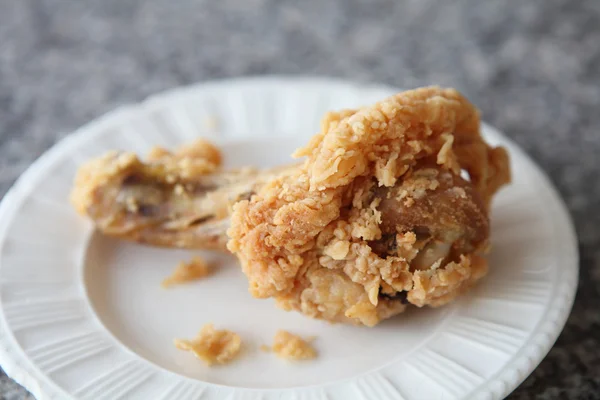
390 208
378 216
179 199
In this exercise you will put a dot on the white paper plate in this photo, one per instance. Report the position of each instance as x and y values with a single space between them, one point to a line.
84 316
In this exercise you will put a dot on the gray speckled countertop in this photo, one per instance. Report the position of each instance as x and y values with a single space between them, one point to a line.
533 67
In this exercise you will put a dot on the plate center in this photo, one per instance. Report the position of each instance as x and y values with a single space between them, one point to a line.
123 285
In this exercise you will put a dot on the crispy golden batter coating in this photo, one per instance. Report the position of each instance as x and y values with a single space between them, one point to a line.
378 215
388 138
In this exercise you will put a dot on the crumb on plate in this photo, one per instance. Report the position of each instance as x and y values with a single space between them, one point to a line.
192 270
212 345
291 347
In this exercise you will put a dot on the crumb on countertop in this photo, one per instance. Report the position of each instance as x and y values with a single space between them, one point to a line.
212 345
192 270
291 347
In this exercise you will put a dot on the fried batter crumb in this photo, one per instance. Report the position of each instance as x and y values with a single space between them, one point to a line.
192 270
291 347
212 345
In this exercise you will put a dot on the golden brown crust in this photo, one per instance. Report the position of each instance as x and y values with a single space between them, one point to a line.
396 133
311 237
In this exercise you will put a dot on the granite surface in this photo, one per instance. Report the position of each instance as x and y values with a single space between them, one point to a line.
533 67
